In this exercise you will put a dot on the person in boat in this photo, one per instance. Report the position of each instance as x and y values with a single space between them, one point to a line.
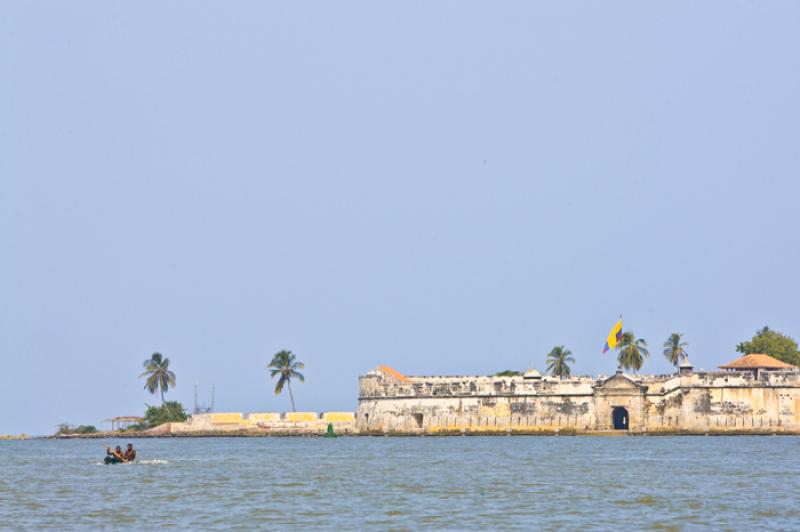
130 453
115 456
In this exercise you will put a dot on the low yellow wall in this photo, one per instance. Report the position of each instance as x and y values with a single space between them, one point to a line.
263 416
301 416
239 421
227 418
338 416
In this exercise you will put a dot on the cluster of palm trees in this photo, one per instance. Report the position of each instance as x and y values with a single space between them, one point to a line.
284 365
632 352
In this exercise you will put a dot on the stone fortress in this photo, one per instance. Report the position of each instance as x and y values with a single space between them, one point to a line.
755 394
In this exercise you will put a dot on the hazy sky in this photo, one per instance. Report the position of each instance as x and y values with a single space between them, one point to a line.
445 187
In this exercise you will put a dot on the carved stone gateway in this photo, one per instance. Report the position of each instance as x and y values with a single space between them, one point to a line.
617 393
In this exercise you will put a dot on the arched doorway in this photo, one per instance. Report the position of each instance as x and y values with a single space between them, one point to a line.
620 417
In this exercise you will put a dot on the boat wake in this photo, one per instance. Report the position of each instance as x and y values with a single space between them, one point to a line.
140 462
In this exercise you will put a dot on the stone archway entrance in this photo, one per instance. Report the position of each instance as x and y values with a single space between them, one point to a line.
620 418
620 404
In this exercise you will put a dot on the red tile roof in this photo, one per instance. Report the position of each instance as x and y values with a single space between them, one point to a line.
386 370
757 361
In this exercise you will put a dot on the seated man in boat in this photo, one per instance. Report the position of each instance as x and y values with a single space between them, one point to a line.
130 453
115 456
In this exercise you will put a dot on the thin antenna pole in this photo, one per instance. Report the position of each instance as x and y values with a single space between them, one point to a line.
212 397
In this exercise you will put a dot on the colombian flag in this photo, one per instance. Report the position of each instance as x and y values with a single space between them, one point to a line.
613 337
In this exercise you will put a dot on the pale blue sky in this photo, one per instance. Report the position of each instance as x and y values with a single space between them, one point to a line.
445 187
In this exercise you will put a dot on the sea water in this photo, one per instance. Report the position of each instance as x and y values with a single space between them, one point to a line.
501 482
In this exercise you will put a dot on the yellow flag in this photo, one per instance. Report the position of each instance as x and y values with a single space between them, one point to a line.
613 337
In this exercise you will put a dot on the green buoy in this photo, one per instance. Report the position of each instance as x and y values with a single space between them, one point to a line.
330 433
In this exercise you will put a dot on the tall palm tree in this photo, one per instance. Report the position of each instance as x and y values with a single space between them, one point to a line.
632 351
557 360
284 364
675 349
159 377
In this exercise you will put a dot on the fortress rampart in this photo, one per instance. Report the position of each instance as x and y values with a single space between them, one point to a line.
734 402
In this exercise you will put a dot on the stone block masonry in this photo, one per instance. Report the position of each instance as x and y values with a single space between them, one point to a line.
763 402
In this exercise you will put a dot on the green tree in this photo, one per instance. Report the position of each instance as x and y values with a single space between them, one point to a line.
557 360
675 349
285 366
772 343
508 373
66 428
167 412
632 351
159 376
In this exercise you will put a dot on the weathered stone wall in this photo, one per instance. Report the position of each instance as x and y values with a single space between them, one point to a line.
723 402
728 402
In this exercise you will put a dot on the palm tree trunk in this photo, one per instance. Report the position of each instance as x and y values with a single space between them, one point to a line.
162 396
291 396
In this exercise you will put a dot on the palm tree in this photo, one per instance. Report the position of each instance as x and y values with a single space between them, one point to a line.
557 360
159 377
285 365
675 349
632 351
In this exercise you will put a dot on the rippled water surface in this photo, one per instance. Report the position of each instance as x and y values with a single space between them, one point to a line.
406 483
